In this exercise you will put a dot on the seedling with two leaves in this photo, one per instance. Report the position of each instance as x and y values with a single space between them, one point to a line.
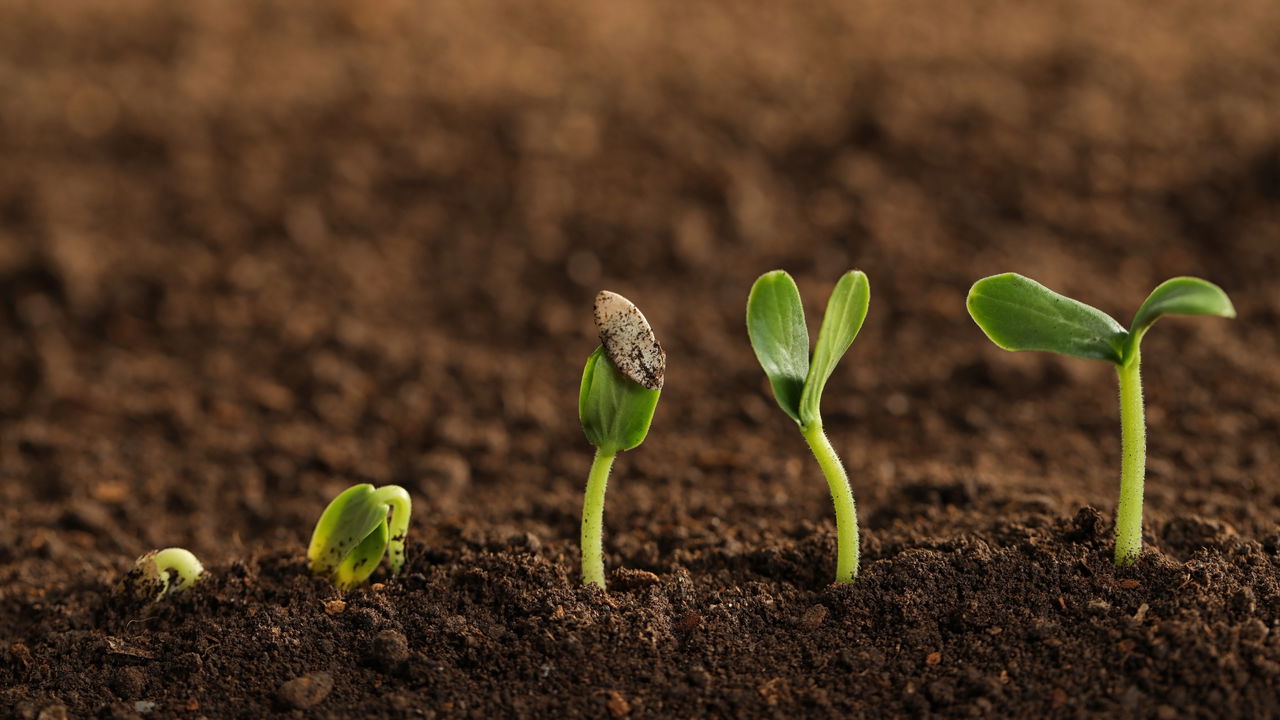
780 338
354 533
1018 313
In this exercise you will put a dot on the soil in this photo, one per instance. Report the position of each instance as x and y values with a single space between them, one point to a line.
252 252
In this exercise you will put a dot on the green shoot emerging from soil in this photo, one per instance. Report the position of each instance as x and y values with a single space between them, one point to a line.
1018 313
353 534
775 322
620 388
171 570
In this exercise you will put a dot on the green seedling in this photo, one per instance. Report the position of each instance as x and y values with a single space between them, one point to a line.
1018 313
165 572
620 387
780 338
353 534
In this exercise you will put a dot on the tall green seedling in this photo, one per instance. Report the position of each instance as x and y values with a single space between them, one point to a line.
1018 313
620 387
780 338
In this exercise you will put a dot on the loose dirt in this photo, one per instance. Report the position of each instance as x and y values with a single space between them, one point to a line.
252 253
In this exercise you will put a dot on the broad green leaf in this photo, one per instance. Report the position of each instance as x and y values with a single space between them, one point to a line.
1182 296
615 410
846 310
1018 313
360 563
344 525
775 324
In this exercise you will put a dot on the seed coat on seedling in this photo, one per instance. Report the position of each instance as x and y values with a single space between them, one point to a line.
621 383
353 534
629 341
1018 313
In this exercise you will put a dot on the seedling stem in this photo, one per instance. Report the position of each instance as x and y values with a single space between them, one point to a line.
593 518
1133 462
842 496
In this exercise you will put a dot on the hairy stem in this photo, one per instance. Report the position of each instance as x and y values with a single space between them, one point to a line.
593 519
1133 464
398 527
842 496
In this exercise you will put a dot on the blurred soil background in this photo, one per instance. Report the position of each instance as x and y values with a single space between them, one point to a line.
253 251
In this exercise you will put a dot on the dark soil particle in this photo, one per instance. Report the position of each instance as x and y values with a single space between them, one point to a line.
253 252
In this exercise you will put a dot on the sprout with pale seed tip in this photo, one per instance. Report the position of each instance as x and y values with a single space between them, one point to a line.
353 534
620 388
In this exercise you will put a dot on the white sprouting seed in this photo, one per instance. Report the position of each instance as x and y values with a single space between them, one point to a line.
171 570
629 341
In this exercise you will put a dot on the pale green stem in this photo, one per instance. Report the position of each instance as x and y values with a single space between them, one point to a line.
1133 463
176 562
398 526
842 496
593 519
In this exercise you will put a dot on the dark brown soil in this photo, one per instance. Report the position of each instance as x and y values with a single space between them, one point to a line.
252 252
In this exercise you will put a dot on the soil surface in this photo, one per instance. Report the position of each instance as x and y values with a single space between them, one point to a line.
252 252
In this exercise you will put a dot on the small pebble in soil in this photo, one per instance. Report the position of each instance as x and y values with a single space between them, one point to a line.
53 712
127 682
528 541
618 705
688 622
627 579
118 711
306 691
365 618
389 647
814 617
1244 601
1254 630
334 607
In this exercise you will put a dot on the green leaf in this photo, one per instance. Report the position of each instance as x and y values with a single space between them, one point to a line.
615 410
775 324
360 563
1018 313
846 310
343 526
1182 296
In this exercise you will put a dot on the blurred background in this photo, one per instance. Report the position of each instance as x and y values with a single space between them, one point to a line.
252 250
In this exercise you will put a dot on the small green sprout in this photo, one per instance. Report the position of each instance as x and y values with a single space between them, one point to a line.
1018 313
353 534
620 387
159 568
776 325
